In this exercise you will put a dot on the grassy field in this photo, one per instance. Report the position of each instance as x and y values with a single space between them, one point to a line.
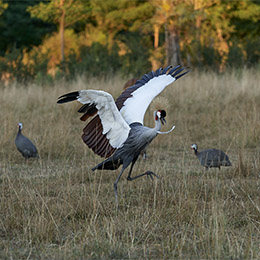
57 208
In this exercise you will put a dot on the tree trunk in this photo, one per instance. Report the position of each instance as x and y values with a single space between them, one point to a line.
62 24
198 6
173 49
154 59
156 36
166 43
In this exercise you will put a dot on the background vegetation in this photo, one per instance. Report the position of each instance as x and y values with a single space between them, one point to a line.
57 208
63 37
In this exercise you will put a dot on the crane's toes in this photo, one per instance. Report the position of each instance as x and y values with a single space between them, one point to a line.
151 174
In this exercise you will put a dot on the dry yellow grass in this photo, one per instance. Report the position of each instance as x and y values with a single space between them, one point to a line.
57 208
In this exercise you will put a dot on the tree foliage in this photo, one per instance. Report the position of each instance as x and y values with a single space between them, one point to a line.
130 37
75 10
3 6
26 33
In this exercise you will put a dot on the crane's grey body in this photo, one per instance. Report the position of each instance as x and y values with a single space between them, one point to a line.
211 157
24 145
139 137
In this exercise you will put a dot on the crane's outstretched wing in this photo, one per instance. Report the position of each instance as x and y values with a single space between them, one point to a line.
153 82
114 127
136 99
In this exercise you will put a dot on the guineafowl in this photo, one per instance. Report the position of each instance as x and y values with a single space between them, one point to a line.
24 145
211 157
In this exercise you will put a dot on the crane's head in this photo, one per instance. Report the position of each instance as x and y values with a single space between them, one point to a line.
194 147
160 114
20 125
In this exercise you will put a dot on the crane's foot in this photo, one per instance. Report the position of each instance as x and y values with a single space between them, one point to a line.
151 174
148 174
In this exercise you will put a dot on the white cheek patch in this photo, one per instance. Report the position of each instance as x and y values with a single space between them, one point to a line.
194 146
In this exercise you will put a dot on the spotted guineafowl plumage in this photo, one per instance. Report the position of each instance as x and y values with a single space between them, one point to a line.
211 157
24 145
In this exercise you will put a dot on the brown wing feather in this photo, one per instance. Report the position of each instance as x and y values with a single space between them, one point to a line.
92 134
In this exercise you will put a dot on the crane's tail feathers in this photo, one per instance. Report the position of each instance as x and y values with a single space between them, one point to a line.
164 133
108 164
68 97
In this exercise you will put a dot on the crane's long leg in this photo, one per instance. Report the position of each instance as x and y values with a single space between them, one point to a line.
115 185
148 173
131 168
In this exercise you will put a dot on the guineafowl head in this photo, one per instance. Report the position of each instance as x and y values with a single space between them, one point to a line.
194 147
20 125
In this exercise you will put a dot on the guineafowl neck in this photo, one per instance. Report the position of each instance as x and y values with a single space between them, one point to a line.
196 151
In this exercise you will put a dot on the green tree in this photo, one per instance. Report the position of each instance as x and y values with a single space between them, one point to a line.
63 13
245 17
3 6
167 15
113 17
17 29
126 24
220 22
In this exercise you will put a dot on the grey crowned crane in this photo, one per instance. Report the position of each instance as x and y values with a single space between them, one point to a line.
117 131
211 157
24 145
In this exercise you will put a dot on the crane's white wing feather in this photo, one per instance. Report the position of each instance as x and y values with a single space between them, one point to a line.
135 107
114 125
134 101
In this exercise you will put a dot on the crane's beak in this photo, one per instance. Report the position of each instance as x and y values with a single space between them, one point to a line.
163 120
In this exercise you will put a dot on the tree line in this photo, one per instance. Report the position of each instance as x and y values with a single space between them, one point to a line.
57 38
